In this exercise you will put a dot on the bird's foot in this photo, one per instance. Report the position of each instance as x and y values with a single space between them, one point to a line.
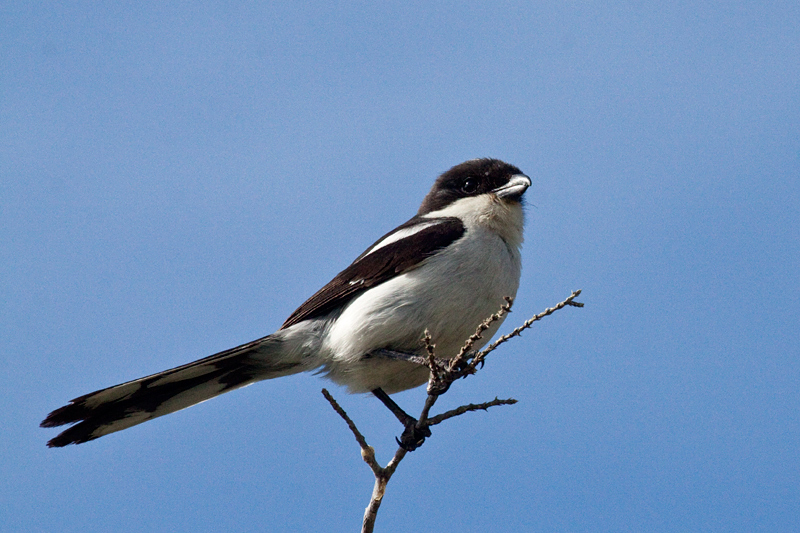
413 436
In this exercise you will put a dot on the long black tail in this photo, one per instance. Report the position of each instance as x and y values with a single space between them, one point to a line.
128 404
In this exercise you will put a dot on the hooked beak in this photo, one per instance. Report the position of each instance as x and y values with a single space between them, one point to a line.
515 188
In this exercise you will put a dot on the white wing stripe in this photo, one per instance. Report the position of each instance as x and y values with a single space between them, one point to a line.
402 234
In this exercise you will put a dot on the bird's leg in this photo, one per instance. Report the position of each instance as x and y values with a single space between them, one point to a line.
413 436
404 418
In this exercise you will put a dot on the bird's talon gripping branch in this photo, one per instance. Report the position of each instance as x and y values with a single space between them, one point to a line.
413 436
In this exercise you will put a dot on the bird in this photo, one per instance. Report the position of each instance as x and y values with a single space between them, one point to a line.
445 270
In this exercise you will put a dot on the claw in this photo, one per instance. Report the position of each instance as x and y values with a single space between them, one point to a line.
413 437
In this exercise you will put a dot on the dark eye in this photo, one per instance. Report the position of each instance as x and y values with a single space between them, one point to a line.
470 185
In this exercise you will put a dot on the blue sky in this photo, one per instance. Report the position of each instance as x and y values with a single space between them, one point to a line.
175 178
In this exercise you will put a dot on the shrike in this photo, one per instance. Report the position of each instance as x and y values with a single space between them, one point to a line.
445 270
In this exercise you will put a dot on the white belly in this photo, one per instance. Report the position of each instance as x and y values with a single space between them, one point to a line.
395 314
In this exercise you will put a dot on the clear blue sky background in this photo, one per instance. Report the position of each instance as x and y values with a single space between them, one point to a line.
175 178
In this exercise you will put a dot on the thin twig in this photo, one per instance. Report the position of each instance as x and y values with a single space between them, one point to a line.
431 348
426 409
480 356
438 419
367 451
505 308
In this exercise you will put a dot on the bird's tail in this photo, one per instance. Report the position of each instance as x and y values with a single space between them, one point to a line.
128 404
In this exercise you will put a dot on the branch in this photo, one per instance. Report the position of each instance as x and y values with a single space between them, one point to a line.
480 356
442 376
430 348
367 451
505 308
438 419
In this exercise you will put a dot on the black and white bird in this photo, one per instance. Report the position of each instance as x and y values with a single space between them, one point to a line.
445 270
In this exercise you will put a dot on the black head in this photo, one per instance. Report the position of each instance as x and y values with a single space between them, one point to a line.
471 178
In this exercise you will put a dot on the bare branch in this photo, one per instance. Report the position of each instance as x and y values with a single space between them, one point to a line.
367 451
379 489
426 409
442 376
371 512
430 348
438 419
505 308
480 356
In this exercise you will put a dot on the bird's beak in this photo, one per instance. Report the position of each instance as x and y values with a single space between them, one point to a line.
515 188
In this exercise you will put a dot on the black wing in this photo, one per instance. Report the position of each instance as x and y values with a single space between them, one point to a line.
374 267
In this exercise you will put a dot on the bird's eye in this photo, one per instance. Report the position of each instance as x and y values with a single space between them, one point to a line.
470 185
